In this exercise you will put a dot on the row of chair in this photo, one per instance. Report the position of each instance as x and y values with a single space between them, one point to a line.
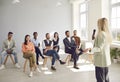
67 60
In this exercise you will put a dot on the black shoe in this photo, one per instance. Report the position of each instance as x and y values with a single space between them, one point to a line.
76 67
37 63
61 62
53 68
81 53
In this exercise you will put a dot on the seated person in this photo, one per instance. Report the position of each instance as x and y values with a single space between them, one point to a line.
56 42
37 45
9 48
29 53
70 47
49 51
78 43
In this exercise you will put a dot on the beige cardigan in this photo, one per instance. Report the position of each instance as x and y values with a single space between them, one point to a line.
101 51
5 45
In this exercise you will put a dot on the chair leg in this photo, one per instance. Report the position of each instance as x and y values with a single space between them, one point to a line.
24 68
6 59
45 61
91 58
68 59
12 59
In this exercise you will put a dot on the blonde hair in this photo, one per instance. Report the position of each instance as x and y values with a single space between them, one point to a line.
103 26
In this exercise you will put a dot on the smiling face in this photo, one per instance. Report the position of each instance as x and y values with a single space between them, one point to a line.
27 38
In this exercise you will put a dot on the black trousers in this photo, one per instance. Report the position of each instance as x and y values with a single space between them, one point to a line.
81 52
74 55
102 74
38 52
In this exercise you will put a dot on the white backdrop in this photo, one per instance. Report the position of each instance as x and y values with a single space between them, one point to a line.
34 15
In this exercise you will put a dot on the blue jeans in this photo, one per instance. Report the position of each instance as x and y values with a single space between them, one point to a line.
54 55
4 53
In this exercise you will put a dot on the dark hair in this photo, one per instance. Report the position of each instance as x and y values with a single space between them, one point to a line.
55 34
66 32
46 34
34 33
25 41
10 33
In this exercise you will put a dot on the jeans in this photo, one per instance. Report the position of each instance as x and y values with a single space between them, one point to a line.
54 55
102 74
4 53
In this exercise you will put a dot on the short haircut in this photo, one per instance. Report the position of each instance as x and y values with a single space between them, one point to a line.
35 33
10 33
66 32
46 34
74 30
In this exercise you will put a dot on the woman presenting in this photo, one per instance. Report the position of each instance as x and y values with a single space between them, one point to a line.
101 51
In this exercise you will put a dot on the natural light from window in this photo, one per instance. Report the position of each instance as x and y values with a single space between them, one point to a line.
115 19
83 21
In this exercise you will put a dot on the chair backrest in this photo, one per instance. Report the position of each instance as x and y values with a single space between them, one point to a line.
86 44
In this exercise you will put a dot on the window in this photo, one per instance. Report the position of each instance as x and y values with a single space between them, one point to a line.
115 19
83 21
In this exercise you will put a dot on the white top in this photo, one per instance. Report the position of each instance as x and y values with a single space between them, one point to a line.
69 39
8 43
35 42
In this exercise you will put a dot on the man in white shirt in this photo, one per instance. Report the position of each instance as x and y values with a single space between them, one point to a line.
37 45
9 48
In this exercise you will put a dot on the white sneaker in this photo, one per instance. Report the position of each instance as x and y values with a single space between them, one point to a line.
2 67
17 65
31 74
38 70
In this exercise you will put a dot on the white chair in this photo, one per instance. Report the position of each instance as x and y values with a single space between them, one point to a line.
68 56
45 60
89 56
25 63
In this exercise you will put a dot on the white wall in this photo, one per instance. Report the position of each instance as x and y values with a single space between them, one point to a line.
94 13
34 15
45 16
96 10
